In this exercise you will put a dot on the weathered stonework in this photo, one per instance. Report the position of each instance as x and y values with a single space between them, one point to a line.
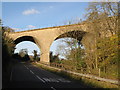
44 37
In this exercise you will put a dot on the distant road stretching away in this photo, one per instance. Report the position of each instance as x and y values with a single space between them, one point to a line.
25 75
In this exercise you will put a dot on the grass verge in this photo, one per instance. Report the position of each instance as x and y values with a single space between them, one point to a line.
87 82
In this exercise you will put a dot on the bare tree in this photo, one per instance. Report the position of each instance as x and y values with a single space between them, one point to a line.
105 14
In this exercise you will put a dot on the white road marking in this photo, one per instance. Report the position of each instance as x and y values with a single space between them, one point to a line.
26 67
40 78
47 80
32 72
63 80
56 80
53 88
53 80
50 80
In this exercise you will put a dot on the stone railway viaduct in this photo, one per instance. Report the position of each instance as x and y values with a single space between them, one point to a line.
44 37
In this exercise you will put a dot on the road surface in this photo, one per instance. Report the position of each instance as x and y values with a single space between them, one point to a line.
25 75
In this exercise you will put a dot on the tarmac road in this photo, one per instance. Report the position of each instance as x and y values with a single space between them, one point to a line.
25 75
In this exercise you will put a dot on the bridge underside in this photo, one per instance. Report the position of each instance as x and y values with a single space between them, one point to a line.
73 34
24 38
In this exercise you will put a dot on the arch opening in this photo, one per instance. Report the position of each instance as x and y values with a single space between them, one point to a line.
63 45
26 49
82 58
69 50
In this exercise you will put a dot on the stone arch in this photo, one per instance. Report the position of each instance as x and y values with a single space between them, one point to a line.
76 34
26 38
87 39
45 38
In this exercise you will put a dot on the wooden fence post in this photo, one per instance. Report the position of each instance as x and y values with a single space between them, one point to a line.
99 72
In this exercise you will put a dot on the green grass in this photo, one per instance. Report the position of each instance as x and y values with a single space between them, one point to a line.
84 81
111 72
